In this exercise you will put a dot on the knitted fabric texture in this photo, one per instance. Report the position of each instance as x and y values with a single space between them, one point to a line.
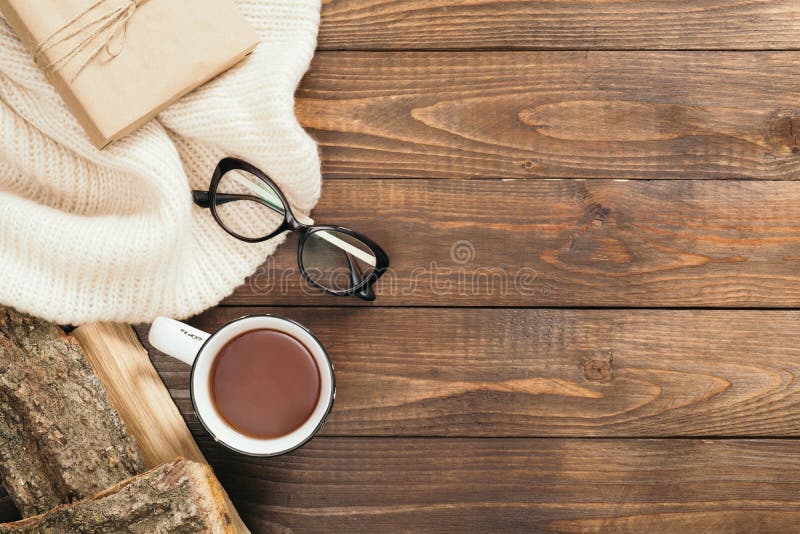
89 235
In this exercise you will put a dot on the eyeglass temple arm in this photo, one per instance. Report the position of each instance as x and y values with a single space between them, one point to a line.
203 199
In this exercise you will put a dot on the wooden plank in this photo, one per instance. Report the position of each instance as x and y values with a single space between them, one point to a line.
519 485
559 24
555 114
561 243
576 373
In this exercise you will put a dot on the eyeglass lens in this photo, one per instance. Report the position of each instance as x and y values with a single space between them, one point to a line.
337 261
248 206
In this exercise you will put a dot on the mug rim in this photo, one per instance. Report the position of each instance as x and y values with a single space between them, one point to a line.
312 434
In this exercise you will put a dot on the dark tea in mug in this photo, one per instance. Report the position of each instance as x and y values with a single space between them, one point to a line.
265 383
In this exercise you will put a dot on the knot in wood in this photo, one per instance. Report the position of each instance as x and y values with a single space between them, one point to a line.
530 164
597 367
785 131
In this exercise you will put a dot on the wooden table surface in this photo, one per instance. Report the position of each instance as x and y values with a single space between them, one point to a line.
592 319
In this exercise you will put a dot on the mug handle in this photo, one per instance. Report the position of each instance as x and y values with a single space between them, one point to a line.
176 339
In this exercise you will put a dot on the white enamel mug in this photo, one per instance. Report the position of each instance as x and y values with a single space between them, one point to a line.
199 349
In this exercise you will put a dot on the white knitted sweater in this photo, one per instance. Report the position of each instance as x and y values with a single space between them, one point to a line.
91 235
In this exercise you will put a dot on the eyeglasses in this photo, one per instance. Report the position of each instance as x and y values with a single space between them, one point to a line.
248 205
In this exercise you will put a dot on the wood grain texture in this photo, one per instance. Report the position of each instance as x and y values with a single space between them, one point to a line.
555 114
519 485
180 497
561 243
559 24
143 402
137 392
531 373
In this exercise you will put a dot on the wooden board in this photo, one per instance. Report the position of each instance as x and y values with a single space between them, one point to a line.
452 417
559 24
555 114
561 243
580 373
143 402
520 485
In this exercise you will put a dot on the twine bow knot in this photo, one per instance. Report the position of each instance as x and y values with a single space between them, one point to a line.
87 34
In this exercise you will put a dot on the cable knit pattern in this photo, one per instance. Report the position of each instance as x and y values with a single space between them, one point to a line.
92 235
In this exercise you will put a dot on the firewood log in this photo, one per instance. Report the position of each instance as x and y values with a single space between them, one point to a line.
137 392
60 438
181 497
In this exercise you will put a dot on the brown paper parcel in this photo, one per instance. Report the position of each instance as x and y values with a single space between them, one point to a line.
165 49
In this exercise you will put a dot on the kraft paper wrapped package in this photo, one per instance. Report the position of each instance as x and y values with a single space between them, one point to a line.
113 235
117 63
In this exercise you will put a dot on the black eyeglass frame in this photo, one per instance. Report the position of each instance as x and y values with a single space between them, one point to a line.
208 199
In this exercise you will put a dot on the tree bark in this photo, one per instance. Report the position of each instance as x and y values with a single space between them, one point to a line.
60 438
136 390
178 497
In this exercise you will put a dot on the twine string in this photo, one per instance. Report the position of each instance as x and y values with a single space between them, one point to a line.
94 30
